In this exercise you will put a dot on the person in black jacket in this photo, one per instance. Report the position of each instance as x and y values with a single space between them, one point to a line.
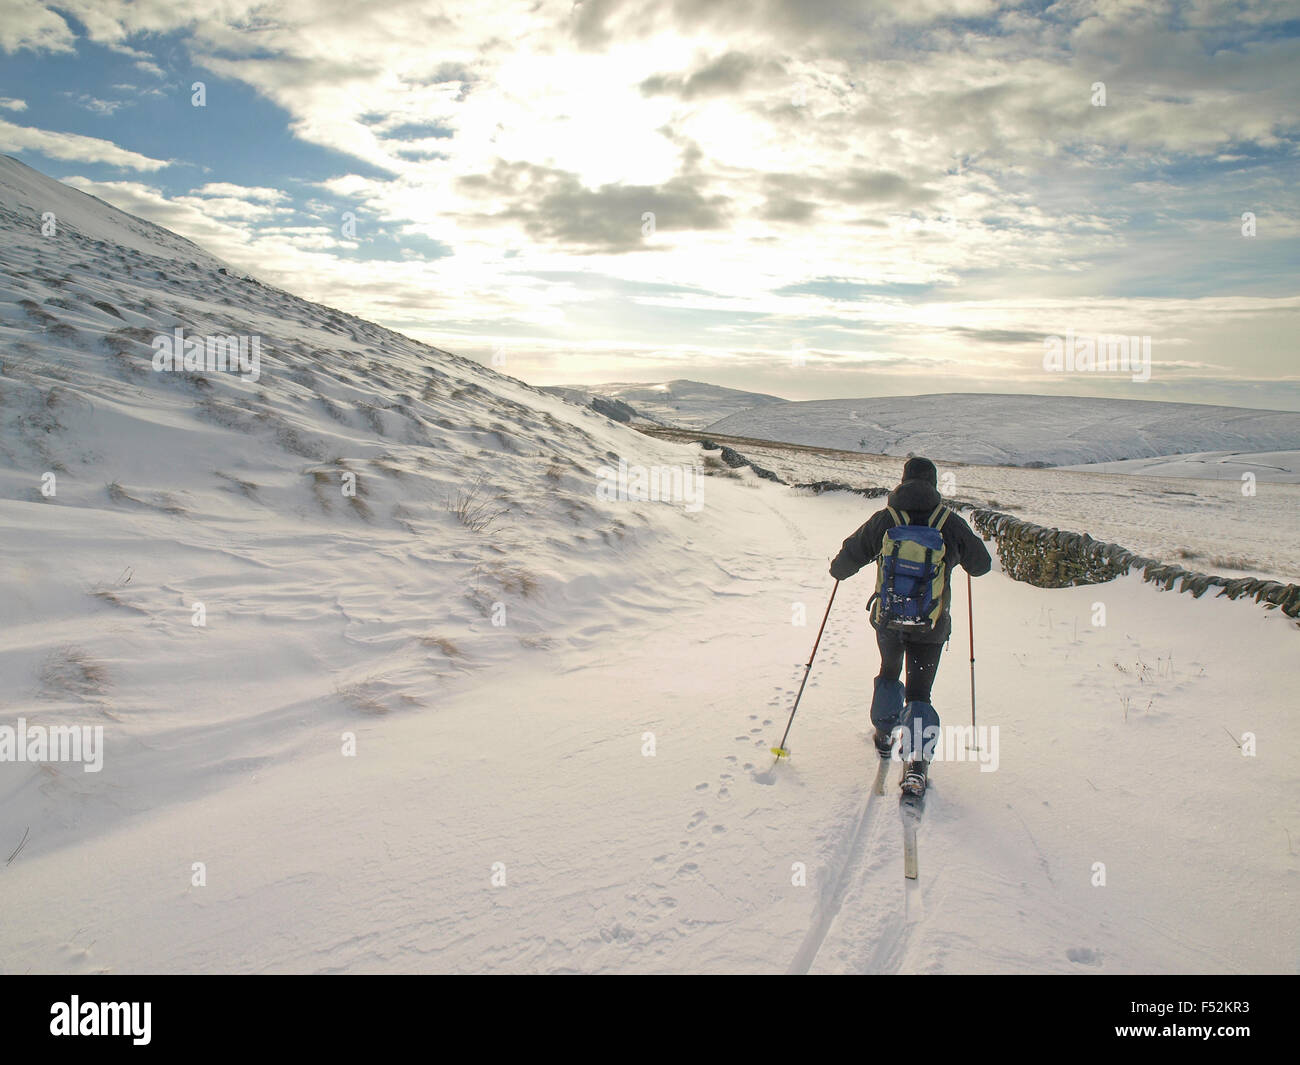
894 703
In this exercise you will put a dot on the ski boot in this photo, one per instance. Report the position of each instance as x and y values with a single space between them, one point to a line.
884 744
915 778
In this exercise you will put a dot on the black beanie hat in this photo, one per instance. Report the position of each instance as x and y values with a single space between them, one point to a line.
919 469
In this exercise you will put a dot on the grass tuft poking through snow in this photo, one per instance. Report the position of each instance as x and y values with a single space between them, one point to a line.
71 671
475 507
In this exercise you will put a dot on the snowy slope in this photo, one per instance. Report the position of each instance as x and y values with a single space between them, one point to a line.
560 720
691 404
27 197
1017 430
618 862
309 514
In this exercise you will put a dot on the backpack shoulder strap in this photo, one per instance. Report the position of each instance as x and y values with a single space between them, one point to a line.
939 516
895 515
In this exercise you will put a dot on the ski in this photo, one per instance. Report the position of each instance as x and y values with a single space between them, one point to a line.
882 771
910 808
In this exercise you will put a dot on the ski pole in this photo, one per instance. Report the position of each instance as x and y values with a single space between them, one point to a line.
970 621
780 751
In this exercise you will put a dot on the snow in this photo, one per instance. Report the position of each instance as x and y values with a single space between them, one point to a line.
1279 467
26 199
520 752
1209 525
1016 430
690 404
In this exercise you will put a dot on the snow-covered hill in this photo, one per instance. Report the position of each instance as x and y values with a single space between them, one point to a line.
359 520
689 404
1017 430
387 684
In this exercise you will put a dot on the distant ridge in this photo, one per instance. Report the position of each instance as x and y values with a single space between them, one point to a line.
685 403
1017 430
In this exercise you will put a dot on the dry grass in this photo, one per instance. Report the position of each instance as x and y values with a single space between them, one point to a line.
224 415
386 464
1233 562
371 413
71 671
333 410
446 646
247 488
137 333
293 441
361 696
512 579
359 505
161 501
474 508
320 485
537 643
35 313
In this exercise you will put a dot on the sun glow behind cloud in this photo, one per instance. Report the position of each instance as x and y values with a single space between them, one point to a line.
913 196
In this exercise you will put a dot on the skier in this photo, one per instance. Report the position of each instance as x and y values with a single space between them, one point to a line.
910 610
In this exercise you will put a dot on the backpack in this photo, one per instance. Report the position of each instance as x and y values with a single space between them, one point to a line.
911 575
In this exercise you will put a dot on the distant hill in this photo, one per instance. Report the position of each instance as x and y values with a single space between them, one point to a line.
689 404
1017 430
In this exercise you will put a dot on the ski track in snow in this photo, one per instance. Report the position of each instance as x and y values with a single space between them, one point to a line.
837 884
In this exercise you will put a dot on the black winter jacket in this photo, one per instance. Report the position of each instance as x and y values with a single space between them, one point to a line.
916 500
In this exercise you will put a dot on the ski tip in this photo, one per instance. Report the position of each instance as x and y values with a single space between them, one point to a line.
780 752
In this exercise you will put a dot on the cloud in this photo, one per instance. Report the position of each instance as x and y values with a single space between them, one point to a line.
246 192
98 106
30 25
726 74
998 336
941 160
9 103
553 205
74 147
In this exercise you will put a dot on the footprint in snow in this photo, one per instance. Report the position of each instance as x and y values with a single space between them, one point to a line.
1084 955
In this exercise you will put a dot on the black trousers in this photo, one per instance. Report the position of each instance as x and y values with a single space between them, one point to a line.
922 663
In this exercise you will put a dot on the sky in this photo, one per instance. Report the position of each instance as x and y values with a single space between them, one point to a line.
811 198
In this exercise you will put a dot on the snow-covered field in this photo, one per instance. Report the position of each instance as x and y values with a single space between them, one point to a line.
1204 525
1277 466
534 737
1016 430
